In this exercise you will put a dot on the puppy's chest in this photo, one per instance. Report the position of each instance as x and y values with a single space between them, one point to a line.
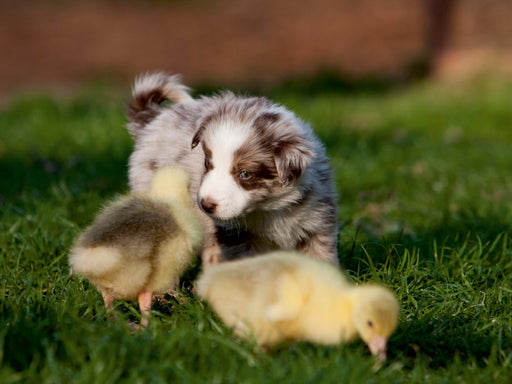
237 243
257 237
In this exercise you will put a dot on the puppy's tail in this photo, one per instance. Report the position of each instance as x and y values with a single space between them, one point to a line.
149 91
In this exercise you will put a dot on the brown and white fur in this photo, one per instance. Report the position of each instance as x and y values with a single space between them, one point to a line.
259 175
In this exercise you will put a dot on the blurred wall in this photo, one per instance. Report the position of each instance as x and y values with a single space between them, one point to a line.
52 44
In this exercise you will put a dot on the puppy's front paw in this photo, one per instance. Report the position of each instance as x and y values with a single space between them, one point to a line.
211 255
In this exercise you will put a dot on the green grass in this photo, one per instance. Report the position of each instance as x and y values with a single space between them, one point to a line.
424 176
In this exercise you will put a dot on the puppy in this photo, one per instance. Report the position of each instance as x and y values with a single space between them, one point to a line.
259 176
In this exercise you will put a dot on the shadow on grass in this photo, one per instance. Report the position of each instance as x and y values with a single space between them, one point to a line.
441 341
82 173
28 336
453 233
324 81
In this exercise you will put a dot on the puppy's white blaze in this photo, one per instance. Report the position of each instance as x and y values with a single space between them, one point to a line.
226 137
218 184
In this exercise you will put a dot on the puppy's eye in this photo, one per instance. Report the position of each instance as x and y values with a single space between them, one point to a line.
370 323
207 164
245 175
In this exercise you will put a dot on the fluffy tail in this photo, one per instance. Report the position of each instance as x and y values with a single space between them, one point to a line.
149 91
94 262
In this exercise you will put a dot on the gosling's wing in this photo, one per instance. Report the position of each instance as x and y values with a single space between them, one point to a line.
135 225
287 302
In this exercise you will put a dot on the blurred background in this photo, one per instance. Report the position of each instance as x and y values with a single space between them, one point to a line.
57 45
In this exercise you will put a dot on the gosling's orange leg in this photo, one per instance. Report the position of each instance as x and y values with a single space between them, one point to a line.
145 300
109 304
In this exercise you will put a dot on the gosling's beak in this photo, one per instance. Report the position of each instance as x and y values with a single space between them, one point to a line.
377 347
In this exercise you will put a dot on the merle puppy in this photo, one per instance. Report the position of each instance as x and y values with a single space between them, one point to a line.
260 177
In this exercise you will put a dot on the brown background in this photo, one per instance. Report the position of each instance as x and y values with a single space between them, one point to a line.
59 45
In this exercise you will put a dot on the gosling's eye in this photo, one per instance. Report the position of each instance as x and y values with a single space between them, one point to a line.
370 323
244 175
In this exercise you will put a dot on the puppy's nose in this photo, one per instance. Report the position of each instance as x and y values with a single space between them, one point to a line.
208 205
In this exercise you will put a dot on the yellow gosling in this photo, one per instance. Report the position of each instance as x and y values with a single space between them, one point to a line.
140 245
286 296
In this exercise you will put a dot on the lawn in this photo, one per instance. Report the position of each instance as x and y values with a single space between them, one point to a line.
424 178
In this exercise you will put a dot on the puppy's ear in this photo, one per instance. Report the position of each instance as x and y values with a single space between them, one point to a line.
197 137
199 134
293 152
292 155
